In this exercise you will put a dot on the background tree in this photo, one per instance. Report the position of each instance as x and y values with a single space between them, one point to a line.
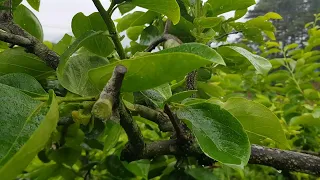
295 13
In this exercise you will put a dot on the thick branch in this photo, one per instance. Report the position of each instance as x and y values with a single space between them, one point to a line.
136 145
33 45
14 39
106 16
285 160
107 104
279 159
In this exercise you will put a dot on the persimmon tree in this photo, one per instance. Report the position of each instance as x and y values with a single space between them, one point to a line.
169 105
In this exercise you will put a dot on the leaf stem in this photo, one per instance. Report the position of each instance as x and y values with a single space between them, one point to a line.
106 16
69 99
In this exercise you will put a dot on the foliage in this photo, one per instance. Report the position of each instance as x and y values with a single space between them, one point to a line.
240 98
295 14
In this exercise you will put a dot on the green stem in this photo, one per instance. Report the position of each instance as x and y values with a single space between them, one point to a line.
69 99
106 16
291 73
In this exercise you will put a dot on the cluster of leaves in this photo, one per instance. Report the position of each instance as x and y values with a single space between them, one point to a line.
51 136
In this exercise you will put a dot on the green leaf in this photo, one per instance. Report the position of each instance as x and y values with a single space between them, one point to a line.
140 168
222 6
260 22
28 21
273 15
75 75
211 89
258 121
24 132
79 42
169 8
146 18
24 82
116 168
306 119
35 4
112 138
100 44
219 134
149 71
66 155
201 174
159 94
134 32
197 49
290 46
126 21
126 7
16 60
63 44
261 64
178 97
149 35
208 22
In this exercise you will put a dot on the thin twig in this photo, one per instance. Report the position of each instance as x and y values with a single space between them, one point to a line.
181 135
166 36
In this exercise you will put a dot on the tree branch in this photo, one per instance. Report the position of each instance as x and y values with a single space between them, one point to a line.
158 117
106 16
181 135
279 159
166 36
107 104
13 33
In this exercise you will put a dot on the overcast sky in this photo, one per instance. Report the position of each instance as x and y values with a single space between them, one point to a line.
56 15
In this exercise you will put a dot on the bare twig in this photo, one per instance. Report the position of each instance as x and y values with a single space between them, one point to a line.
181 135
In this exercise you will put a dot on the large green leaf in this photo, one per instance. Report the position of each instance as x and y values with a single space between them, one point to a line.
149 35
150 71
63 44
258 121
126 21
35 4
28 21
79 42
178 97
306 119
201 173
208 22
134 32
169 8
222 6
26 126
75 75
16 60
158 95
219 134
100 44
198 49
261 64
24 82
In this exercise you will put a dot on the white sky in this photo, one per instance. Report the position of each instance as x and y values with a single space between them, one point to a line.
56 15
